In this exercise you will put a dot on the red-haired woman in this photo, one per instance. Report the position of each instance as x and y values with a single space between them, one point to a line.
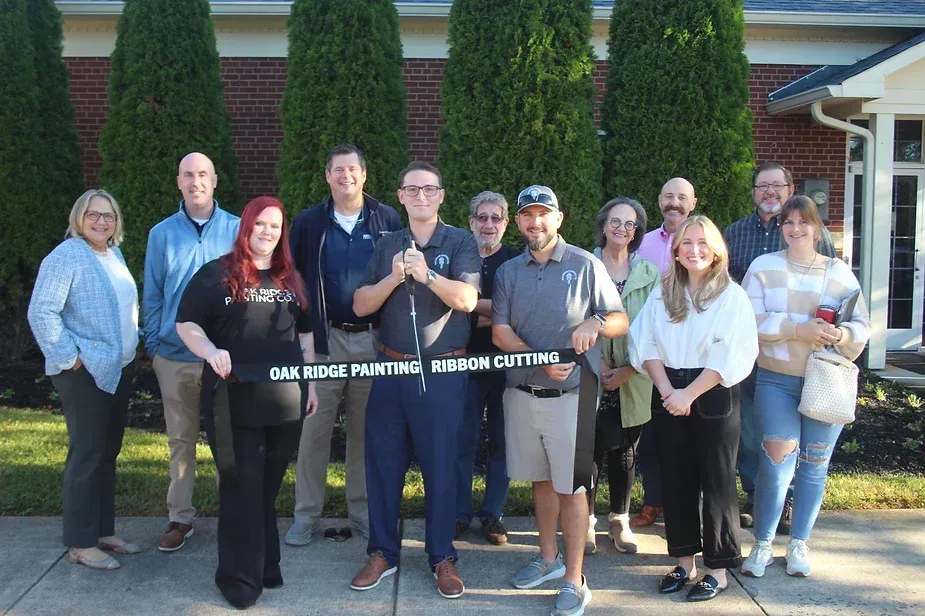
249 305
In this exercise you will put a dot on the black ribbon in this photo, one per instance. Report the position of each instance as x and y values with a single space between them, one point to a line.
411 367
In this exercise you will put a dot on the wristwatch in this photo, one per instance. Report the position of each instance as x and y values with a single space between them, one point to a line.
599 319
431 278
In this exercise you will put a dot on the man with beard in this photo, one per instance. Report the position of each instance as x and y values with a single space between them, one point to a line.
436 267
551 296
488 220
676 201
748 239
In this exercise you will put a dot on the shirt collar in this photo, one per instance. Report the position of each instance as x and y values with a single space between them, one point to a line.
212 215
435 240
774 222
557 252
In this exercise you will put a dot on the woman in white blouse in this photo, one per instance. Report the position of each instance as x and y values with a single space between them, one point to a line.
84 315
696 338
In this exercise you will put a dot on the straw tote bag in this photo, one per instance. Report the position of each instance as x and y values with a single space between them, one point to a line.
830 384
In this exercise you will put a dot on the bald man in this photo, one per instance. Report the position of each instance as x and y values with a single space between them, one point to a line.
676 201
177 247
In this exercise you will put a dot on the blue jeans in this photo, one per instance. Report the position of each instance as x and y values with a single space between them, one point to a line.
487 388
777 397
750 440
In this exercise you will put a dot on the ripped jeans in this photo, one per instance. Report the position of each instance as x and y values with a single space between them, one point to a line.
808 449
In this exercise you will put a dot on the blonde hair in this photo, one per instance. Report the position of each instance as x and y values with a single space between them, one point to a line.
75 221
714 281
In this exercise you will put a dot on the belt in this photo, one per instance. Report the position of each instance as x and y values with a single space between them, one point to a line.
396 355
541 392
354 328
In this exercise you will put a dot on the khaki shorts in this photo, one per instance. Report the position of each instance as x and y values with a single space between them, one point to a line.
539 435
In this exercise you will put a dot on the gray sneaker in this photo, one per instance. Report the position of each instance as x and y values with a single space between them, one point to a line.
300 533
571 601
537 572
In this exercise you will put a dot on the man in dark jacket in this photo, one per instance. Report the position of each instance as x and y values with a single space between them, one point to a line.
332 243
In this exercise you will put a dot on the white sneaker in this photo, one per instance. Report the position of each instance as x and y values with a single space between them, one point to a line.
761 556
591 537
797 558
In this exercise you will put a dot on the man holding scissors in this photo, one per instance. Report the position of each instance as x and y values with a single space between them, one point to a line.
423 280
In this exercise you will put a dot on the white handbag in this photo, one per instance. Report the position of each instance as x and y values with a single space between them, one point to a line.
830 384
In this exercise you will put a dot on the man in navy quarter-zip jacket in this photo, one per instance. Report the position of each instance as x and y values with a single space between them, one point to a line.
177 247
332 243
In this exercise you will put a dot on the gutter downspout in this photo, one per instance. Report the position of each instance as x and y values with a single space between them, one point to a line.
867 198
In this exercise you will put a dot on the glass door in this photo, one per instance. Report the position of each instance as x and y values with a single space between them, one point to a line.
907 285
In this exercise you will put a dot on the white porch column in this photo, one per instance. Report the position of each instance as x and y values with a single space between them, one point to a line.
875 265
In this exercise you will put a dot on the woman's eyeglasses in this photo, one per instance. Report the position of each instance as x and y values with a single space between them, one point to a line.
616 223
95 216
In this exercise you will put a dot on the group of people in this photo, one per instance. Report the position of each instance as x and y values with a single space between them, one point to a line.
671 321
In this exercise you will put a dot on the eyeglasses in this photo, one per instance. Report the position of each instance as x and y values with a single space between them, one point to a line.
484 218
414 191
767 187
94 216
616 223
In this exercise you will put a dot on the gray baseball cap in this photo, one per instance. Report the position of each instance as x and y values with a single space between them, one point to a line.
537 195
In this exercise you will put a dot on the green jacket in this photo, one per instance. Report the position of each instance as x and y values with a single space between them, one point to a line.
636 394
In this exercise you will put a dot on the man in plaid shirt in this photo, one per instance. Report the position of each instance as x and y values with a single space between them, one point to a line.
748 239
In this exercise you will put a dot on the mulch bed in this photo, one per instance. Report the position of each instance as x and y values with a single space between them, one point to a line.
887 436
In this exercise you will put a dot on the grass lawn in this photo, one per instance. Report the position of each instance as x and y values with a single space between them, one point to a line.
33 445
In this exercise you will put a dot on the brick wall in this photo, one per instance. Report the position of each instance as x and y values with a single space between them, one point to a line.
254 88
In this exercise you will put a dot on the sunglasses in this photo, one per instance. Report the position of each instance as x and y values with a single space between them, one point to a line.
542 198
484 218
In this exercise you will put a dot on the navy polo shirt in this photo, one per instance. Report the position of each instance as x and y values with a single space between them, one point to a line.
345 259
450 252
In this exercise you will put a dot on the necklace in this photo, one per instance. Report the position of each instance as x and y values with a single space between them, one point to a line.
99 252
799 266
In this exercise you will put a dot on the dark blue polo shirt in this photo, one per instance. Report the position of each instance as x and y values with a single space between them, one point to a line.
453 254
345 259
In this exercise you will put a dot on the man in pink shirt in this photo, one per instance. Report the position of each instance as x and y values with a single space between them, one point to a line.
676 202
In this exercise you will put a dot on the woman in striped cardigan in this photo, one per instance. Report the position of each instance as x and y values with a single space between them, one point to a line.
786 288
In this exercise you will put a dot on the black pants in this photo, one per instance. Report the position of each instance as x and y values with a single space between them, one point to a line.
697 454
248 539
95 424
618 445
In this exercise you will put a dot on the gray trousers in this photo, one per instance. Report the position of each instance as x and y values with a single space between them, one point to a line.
95 425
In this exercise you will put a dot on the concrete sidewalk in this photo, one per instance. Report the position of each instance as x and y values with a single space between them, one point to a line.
863 563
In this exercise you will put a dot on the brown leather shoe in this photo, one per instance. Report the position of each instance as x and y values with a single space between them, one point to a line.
449 584
376 568
494 532
646 517
174 537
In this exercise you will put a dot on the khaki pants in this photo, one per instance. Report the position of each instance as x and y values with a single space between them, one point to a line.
180 383
315 445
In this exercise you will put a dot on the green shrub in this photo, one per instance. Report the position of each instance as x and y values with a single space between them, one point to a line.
344 84
518 102
675 104
165 100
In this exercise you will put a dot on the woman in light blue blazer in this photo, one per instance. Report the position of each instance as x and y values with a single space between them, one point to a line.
84 315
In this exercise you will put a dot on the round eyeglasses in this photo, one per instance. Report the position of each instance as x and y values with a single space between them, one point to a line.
616 223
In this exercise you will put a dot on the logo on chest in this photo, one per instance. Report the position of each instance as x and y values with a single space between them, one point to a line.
569 276
441 261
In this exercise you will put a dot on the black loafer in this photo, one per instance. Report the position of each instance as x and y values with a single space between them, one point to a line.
705 589
673 581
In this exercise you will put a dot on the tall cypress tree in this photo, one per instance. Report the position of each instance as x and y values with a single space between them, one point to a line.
165 98
518 102
676 104
55 115
344 84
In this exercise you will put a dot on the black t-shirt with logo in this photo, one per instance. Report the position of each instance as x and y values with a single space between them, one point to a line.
264 329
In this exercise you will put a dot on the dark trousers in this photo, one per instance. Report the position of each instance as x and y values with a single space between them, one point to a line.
483 399
621 470
95 424
399 419
647 459
248 539
698 454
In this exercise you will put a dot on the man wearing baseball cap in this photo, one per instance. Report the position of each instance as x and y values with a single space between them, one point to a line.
541 404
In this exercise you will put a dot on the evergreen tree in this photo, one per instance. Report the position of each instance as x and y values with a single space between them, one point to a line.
165 101
518 103
675 104
55 114
344 85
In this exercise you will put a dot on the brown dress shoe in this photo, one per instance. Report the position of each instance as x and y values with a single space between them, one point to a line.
449 584
494 532
376 568
646 517
174 537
